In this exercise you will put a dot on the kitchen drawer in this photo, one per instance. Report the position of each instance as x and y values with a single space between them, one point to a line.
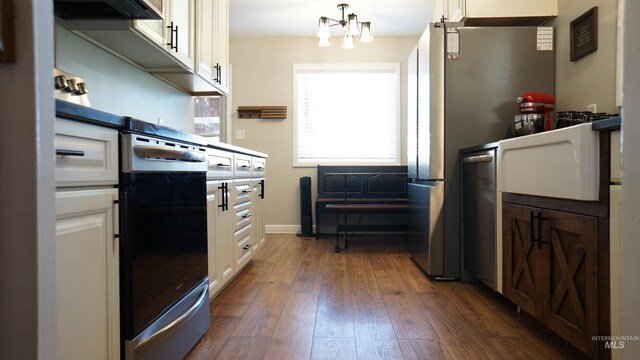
616 174
220 164
242 166
85 154
258 166
244 247
243 191
243 215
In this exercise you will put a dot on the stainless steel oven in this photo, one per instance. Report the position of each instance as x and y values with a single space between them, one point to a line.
163 255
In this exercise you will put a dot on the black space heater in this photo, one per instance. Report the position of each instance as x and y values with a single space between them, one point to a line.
306 227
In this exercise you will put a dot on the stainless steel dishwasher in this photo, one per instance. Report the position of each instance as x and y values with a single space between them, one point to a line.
479 213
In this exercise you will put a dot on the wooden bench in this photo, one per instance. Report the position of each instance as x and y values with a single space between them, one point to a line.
364 208
344 190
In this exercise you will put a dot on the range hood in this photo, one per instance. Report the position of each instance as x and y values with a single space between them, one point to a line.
108 9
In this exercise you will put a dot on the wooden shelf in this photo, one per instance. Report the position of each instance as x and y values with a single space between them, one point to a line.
262 112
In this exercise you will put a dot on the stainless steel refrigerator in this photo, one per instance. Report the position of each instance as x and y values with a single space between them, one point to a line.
462 91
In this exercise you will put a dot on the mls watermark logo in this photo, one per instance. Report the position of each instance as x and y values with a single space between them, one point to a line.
615 342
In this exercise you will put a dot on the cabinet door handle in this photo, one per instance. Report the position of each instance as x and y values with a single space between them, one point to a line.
532 222
225 197
171 32
67 152
539 240
247 247
226 203
176 38
262 189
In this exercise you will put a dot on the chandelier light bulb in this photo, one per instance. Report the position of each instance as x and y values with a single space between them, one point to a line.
323 27
365 33
324 41
347 43
352 25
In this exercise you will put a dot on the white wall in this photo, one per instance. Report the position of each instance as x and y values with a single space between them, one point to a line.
117 87
591 79
27 270
263 75
630 212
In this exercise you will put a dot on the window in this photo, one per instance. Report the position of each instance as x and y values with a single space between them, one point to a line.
346 114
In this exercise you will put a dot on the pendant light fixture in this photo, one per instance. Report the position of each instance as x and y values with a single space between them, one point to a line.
352 27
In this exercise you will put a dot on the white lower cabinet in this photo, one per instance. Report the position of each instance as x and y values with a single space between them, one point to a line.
87 288
220 235
243 224
235 214
257 210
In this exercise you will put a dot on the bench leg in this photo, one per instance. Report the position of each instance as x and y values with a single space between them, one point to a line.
346 240
337 248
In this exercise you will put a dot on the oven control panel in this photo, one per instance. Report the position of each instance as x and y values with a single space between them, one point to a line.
71 88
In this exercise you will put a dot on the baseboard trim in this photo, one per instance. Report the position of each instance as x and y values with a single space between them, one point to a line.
283 229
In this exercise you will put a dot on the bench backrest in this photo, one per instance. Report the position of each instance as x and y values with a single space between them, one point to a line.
362 181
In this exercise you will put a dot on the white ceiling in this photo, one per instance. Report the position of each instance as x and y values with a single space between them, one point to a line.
299 18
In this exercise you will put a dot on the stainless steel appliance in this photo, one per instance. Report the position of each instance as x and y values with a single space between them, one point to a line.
163 251
467 78
479 214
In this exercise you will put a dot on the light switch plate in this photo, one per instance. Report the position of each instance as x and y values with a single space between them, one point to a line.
240 134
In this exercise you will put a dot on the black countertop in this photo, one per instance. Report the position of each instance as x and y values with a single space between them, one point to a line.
85 114
609 124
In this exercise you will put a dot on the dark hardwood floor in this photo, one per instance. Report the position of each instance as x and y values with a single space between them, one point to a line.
297 299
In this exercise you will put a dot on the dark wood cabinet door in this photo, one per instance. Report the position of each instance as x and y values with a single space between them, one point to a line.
570 306
522 263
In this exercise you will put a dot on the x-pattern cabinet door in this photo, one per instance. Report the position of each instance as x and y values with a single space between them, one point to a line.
522 263
571 277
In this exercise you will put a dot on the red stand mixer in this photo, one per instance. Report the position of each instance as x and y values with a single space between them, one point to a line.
537 103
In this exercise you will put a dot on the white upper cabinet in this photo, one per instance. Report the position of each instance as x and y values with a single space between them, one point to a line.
180 30
493 12
221 45
174 33
205 65
188 48
212 37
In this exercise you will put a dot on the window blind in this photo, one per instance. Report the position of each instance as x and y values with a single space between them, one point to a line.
347 114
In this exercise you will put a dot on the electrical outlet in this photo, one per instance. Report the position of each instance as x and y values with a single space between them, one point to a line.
240 134
160 121
593 108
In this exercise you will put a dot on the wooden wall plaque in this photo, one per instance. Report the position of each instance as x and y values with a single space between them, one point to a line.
7 32
584 34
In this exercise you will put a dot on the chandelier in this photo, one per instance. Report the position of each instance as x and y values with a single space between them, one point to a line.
351 25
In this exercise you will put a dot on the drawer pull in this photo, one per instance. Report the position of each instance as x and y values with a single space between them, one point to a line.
67 152
246 191
244 166
246 216
222 165
259 167
247 247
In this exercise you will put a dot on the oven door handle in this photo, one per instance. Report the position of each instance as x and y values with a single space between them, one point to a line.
164 153
175 322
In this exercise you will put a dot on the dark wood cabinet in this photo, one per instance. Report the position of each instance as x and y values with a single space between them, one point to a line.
550 261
